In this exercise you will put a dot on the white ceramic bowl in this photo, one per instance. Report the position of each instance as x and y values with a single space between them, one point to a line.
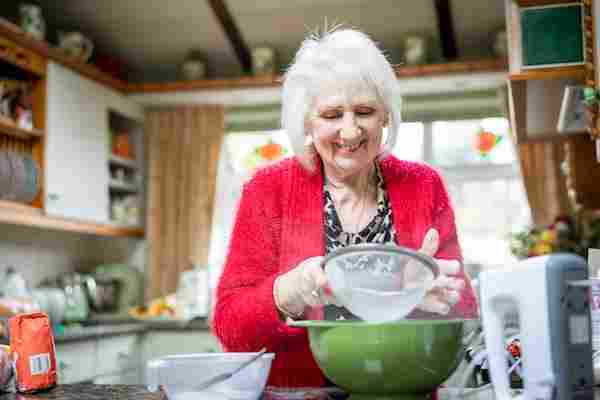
179 374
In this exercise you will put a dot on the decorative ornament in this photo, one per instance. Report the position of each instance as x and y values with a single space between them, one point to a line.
485 142
264 154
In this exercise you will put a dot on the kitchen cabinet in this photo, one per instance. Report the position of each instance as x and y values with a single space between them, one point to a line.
77 146
162 343
77 149
117 354
74 361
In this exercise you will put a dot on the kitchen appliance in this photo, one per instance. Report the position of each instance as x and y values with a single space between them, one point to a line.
548 298
128 286
102 292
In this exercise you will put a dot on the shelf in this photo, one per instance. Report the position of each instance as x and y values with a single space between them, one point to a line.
19 214
456 67
486 65
8 127
123 187
22 59
234 83
576 72
14 33
534 3
122 162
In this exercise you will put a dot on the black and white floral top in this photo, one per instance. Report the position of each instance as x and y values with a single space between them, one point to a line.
379 230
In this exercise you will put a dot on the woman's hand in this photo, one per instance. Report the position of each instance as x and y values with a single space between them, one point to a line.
444 292
302 287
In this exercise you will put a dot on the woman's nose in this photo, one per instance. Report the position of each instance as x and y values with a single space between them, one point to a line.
349 129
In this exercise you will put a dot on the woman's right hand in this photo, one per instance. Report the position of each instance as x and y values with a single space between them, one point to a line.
302 287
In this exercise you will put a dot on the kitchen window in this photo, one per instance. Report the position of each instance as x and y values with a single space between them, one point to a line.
486 191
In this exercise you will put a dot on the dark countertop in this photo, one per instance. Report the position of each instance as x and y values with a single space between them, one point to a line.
89 391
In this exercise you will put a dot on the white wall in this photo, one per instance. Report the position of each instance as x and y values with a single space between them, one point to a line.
38 253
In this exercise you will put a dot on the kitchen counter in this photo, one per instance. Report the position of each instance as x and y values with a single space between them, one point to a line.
92 330
88 391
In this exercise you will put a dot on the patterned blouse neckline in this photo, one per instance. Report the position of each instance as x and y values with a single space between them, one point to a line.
379 230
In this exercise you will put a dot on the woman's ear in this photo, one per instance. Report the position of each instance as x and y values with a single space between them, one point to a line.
386 120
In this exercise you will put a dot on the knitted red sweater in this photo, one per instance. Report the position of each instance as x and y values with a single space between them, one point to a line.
280 223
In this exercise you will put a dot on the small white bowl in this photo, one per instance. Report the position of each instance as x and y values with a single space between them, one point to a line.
179 374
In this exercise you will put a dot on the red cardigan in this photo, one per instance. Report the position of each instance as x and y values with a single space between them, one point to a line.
280 223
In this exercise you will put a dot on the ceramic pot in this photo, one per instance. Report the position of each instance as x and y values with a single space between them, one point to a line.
263 61
194 66
75 45
32 21
402 360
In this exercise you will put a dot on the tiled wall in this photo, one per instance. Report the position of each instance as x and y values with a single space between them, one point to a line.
39 254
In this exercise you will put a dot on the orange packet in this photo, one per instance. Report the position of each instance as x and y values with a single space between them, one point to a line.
33 351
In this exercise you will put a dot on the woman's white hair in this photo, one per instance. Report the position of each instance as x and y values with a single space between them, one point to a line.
348 59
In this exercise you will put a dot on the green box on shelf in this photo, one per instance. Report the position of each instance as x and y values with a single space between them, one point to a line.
552 35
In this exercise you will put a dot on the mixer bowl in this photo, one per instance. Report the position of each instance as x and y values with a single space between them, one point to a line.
407 359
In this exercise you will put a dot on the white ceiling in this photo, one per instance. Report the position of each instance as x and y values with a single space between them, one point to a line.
153 36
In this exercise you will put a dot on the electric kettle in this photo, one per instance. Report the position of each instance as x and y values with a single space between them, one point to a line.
549 296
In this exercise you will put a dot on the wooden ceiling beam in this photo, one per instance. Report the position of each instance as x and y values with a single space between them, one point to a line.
446 29
233 33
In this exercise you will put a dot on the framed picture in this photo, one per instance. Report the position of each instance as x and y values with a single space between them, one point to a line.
552 35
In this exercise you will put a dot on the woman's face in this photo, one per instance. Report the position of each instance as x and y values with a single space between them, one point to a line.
346 131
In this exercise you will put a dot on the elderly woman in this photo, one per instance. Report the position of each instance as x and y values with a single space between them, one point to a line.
343 187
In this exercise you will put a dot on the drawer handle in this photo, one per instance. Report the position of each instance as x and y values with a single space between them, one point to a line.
63 365
123 356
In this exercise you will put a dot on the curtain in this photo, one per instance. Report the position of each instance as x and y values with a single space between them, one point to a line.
544 182
184 145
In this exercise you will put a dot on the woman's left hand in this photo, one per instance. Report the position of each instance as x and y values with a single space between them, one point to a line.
444 291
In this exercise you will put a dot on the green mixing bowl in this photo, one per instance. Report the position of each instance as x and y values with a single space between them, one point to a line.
401 360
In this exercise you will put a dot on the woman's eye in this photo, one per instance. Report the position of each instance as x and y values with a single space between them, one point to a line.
331 115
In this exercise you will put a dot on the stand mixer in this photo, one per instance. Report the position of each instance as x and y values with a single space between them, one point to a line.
550 296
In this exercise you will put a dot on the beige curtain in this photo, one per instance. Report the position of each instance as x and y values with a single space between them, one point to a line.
544 182
183 151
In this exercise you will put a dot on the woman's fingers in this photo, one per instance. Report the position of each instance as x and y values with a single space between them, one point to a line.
433 304
431 242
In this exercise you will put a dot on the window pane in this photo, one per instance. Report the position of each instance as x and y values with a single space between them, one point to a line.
454 142
483 233
409 143
245 149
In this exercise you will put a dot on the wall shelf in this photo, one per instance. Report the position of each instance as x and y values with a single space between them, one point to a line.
42 48
576 72
485 65
8 127
122 187
533 3
122 162
19 214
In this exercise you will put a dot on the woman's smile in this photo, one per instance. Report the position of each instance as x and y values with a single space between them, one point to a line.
350 148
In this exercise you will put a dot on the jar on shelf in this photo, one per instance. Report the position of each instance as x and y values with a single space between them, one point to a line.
194 66
32 21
